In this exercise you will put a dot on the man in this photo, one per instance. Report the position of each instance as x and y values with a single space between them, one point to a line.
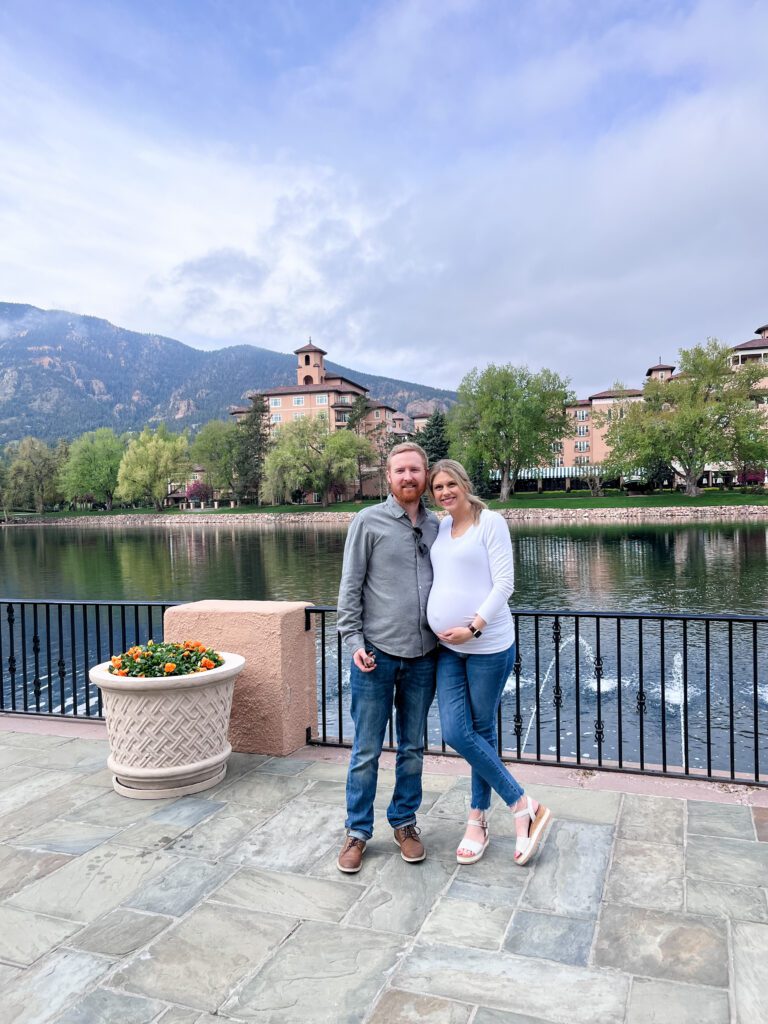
382 619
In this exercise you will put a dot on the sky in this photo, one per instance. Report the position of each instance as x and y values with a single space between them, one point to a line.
421 186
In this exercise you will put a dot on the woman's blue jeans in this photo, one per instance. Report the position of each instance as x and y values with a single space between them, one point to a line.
469 689
411 683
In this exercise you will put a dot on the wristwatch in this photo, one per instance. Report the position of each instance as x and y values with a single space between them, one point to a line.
476 633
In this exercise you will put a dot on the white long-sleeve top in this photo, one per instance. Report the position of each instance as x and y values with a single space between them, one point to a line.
473 575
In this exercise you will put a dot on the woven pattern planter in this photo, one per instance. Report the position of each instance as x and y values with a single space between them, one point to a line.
168 736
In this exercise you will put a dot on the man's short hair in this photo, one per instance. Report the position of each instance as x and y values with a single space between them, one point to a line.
408 446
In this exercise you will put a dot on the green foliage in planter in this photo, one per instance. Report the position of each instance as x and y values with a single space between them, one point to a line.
153 660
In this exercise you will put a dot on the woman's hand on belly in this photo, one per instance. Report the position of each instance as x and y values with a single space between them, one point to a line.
455 635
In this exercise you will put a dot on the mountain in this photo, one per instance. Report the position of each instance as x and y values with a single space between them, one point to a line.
62 374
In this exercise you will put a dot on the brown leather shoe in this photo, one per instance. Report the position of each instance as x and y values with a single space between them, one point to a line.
411 847
350 859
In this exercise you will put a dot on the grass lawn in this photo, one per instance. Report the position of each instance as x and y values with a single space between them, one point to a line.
525 500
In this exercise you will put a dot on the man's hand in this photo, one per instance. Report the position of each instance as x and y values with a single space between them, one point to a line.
365 660
455 635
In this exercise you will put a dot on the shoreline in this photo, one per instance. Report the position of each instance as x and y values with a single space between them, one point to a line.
527 516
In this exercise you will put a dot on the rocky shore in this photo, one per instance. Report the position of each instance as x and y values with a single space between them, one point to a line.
527 516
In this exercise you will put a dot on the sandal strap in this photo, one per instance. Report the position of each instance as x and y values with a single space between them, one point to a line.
471 845
478 823
528 811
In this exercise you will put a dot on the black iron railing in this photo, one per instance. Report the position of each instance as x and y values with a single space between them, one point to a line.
47 647
661 694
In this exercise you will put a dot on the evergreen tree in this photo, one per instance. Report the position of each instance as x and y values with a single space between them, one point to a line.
252 449
434 437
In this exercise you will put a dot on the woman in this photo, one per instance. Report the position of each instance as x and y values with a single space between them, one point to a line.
468 611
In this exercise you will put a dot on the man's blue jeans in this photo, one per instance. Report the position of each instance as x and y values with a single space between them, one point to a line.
411 683
469 689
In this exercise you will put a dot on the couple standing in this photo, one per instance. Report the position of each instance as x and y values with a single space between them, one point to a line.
423 604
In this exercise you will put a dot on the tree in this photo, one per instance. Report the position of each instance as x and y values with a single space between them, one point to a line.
92 466
308 456
199 490
217 447
509 417
434 437
253 444
152 461
5 494
704 414
356 421
32 474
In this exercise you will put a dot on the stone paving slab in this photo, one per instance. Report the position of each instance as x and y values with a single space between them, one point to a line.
655 818
750 968
60 836
219 835
556 992
658 945
120 932
646 875
41 993
19 868
56 804
25 937
402 895
760 817
730 821
739 902
105 1007
465 923
735 861
599 808
200 960
179 888
15 755
655 1002
92 884
565 939
274 892
349 967
396 1007
569 872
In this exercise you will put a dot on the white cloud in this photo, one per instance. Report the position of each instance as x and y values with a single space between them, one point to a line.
591 203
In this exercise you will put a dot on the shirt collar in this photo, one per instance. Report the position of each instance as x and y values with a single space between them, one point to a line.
396 509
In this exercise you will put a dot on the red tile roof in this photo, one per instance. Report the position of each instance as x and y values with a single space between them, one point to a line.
626 393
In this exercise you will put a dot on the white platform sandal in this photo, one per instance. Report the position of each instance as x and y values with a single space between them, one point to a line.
476 849
525 847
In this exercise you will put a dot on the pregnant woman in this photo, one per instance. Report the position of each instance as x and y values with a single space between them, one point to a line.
468 611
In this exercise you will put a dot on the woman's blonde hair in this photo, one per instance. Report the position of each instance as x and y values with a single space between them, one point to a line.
459 475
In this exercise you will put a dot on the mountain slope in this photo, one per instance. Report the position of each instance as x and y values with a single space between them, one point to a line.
62 374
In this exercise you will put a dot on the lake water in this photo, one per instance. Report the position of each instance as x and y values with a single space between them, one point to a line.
702 568
598 675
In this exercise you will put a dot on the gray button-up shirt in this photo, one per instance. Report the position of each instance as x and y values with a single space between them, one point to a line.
386 579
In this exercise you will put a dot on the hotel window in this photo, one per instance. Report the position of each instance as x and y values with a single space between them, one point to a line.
582 414
298 415
276 417
321 400
377 414
582 446
558 461
345 399
298 399
342 417
582 431
557 446
275 403
581 460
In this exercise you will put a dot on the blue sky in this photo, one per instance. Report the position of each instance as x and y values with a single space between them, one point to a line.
422 186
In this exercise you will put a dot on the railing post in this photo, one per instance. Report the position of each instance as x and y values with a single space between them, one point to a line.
275 699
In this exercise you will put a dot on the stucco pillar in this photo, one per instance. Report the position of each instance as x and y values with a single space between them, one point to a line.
275 698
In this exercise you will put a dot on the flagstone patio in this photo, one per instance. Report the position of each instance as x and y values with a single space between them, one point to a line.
639 909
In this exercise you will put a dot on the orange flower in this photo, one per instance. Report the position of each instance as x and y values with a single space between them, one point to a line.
190 645
137 657
123 672
170 666
116 662
207 663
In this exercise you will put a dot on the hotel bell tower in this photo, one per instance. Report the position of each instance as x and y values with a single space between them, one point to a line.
310 369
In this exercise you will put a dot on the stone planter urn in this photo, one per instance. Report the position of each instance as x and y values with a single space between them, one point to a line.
168 736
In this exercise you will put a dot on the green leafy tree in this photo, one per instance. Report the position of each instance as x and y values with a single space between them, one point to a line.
308 456
434 437
254 442
509 417
217 448
152 461
32 474
704 414
92 466
5 493
356 421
